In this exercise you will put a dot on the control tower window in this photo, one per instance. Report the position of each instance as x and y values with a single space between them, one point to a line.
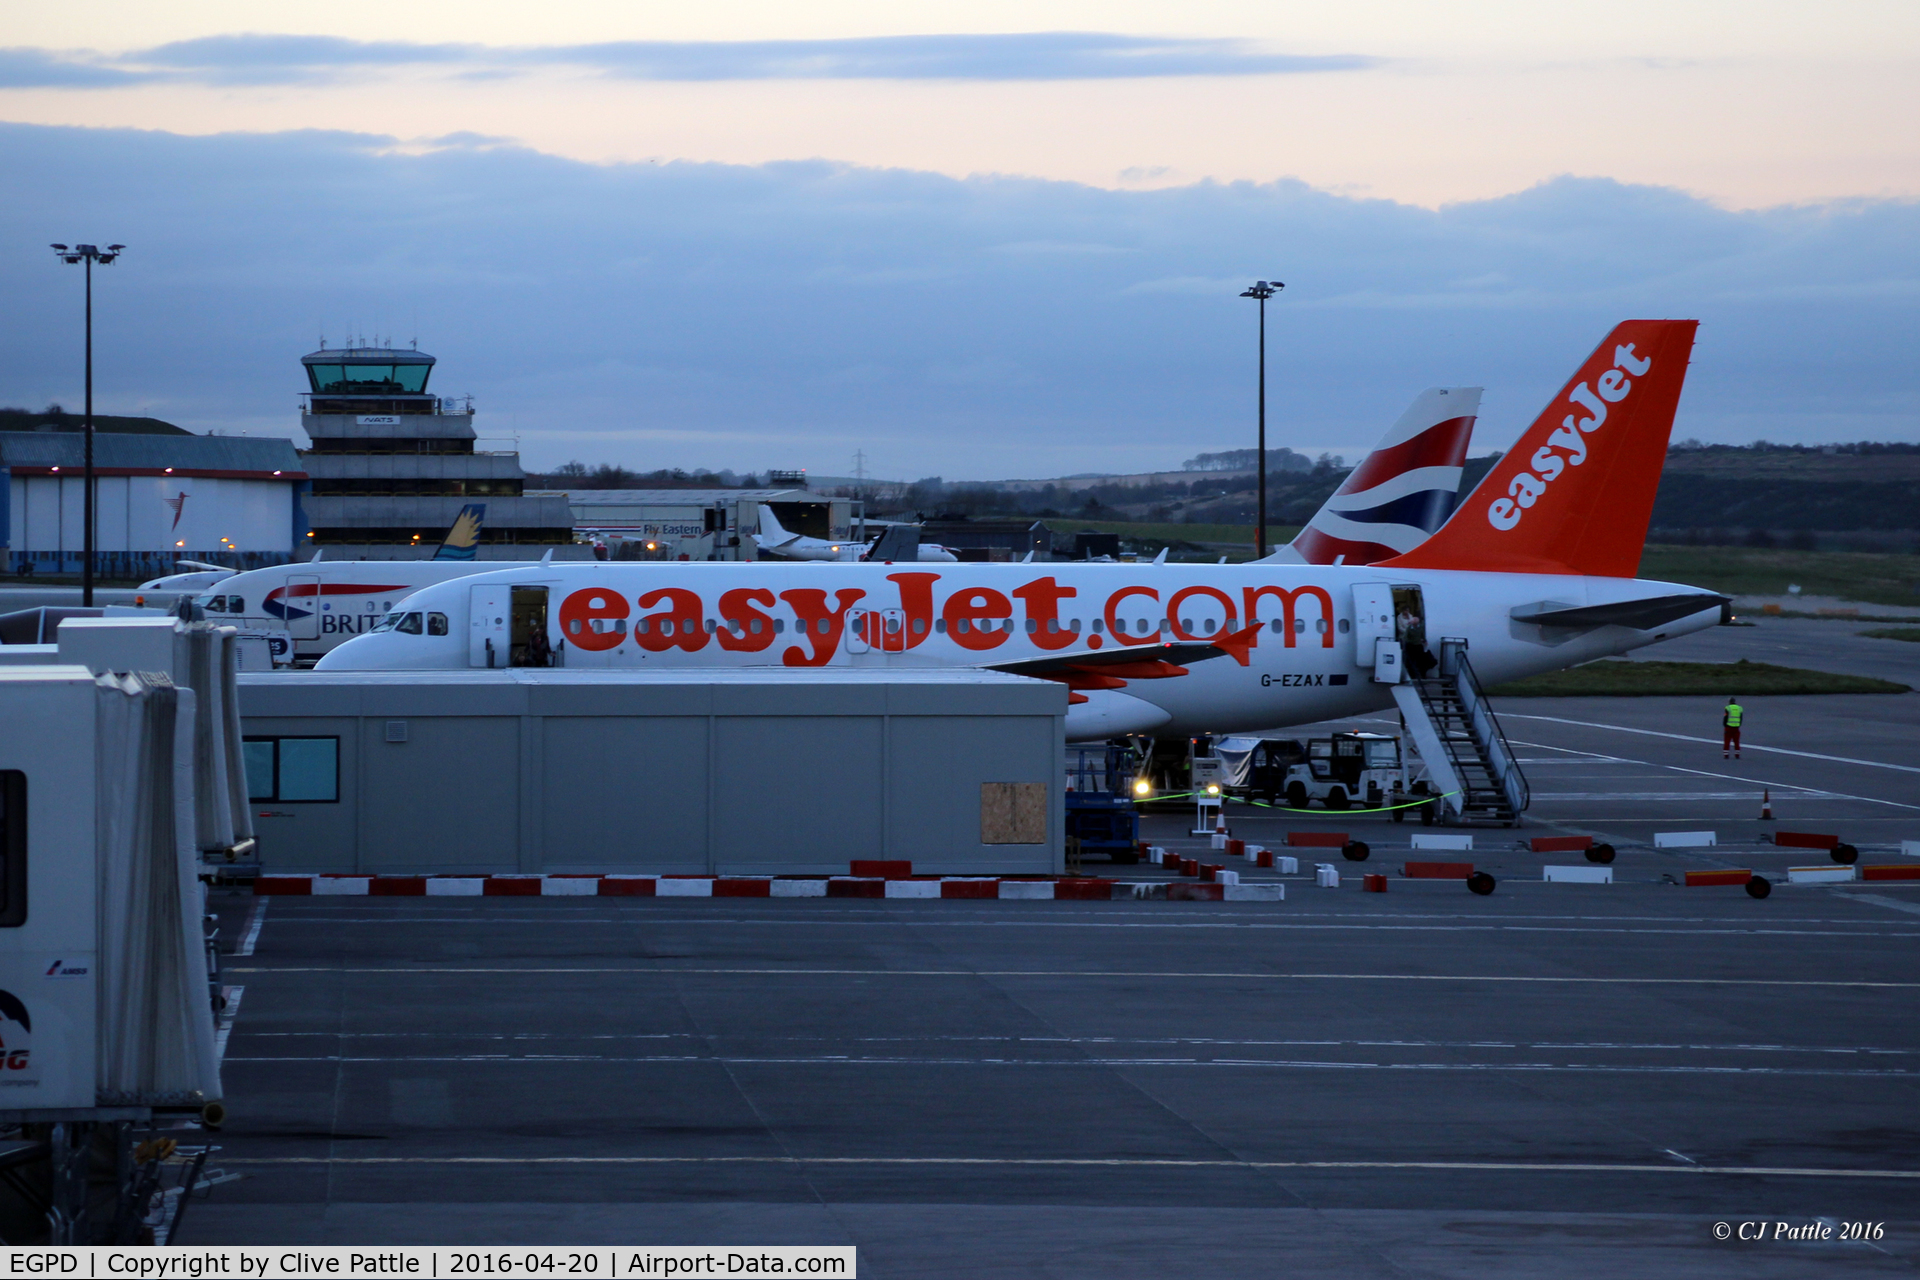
368 379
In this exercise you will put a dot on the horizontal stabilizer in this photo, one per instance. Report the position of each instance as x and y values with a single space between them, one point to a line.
1640 615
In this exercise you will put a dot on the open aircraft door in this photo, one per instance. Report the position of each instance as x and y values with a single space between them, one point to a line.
1372 619
489 626
303 606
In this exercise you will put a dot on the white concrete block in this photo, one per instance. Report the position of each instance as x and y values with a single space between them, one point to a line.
1217 840
1435 840
456 887
1326 875
1820 875
1255 893
1287 866
798 889
1227 877
701 887
1042 889
913 888
1587 874
343 886
570 887
1685 840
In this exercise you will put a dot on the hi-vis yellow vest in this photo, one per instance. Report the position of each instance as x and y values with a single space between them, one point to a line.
1734 712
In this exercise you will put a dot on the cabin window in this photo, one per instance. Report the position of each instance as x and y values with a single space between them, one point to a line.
919 626
711 627
1277 625
436 624
756 625
1097 625
820 626
1320 626
1345 626
293 770
779 626
940 625
1299 626
1076 626
1032 626
641 626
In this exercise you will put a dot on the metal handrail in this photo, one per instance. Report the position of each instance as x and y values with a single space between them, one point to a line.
1519 794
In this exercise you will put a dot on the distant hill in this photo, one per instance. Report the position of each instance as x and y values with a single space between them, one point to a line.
49 420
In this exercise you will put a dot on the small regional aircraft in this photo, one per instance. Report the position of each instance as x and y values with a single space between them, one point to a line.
322 603
1533 573
773 539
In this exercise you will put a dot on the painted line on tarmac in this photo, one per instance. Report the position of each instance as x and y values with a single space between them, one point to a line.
255 919
1463 1166
1856 929
1239 974
1215 1041
1795 790
1881 900
872 1060
1712 742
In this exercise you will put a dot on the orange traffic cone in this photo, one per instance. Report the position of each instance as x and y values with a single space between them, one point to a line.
1766 805
1220 822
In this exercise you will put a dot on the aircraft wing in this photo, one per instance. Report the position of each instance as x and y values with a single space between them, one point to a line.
1135 662
1641 615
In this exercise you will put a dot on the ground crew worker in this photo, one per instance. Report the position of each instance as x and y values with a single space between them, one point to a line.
1730 729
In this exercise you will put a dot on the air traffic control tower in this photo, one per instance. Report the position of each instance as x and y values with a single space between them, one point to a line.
393 464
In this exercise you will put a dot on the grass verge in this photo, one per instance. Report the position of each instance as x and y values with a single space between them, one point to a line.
1618 678
1895 633
1750 571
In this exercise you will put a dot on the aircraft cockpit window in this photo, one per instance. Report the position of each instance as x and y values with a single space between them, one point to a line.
409 623
385 624
436 624
236 604
212 603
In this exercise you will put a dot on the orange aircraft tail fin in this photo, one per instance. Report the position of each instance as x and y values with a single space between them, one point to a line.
1575 495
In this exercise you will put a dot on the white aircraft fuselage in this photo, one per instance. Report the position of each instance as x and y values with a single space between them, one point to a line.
1310 657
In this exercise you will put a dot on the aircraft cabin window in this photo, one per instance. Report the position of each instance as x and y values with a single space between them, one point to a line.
779 626
940 626
1277 625
1098 624
1299 626
436 624
1345 626
1320 626
919 626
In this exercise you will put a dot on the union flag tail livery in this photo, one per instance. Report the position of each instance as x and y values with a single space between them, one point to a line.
1401 493
1576 493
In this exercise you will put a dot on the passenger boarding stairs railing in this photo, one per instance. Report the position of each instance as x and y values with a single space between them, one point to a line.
1466 750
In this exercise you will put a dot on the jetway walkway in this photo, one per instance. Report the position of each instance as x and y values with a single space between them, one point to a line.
1466 752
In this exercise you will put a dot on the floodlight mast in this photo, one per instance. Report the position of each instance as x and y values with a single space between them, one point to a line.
88 254
1261 290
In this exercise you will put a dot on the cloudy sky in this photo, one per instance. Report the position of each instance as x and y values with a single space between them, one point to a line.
981 240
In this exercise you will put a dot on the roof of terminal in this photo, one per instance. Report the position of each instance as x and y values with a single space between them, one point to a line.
676 497
149 452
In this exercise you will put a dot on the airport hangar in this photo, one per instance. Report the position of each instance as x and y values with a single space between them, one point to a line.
160 497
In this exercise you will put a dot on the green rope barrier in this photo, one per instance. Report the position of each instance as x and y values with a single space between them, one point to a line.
1415 804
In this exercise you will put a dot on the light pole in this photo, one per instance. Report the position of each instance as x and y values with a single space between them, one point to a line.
88 254
1262 290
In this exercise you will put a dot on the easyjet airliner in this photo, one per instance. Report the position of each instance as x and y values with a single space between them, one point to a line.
1534 571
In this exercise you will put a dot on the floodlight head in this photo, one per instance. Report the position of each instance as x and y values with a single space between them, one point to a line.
115 248
62 248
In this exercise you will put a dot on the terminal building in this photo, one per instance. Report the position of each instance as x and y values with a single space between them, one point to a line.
161 494
393 463
704 524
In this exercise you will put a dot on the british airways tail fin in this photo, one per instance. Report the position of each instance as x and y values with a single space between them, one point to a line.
1401 492
1576 493
463 540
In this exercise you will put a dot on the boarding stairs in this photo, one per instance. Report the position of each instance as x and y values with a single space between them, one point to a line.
1460 739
